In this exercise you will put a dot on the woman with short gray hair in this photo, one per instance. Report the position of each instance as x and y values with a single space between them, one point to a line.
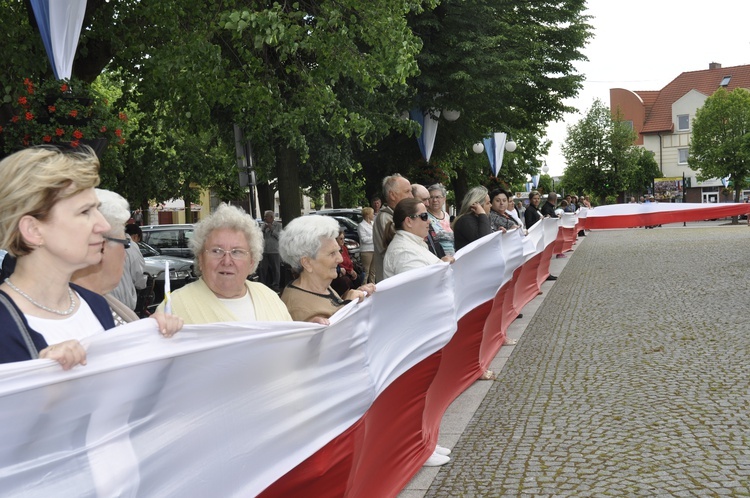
308 244
228 245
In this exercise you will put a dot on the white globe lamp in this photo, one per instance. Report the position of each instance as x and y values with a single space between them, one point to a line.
451 115
510 146
478 147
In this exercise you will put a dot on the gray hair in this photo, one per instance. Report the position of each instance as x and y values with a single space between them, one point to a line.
114 208
232 218
473 196
304 236
389 183
438 186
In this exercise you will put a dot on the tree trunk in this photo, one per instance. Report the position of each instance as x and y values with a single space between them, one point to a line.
335 194
287 168
460 187
265 198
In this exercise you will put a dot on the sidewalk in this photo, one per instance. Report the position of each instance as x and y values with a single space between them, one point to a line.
631 377
461 411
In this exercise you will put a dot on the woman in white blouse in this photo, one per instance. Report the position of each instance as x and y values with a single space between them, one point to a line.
405 239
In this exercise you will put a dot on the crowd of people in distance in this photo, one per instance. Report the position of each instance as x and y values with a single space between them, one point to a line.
72 265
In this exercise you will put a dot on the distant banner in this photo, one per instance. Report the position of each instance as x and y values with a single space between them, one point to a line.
656 213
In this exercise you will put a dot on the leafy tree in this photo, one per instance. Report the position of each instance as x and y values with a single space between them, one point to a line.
506 67
641 176
599 153
720 144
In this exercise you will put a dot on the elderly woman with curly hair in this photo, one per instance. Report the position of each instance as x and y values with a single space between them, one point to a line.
228 245
308 244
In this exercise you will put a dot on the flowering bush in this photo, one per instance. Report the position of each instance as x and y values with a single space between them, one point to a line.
62 112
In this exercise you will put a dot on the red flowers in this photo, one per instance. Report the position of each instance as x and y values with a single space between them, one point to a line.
59 132
51 109
47 138
23 101
118 132
77 135
122 116
64 88
73 113
29 116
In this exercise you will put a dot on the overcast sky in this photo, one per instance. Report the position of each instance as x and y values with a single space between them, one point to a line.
645 44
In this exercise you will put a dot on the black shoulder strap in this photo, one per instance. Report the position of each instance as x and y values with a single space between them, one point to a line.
21 326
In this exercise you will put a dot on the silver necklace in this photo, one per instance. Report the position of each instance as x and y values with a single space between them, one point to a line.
45 308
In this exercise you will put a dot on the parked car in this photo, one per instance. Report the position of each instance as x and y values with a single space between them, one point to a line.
170 240
181 272
351 235
353 214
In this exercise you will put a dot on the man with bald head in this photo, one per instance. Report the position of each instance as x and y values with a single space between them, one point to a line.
395 188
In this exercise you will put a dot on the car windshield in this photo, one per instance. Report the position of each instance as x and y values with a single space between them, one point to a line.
147 250
346 222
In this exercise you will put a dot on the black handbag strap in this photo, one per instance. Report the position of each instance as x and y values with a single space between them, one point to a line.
21 326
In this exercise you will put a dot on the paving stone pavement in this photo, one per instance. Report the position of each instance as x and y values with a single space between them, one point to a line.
631 379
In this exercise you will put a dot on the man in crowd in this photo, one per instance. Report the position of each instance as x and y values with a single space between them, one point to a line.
270 271
395 188
549 207
376 204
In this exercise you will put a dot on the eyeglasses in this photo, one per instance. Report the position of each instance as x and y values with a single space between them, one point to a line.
436 197
125 242
421 216
236 254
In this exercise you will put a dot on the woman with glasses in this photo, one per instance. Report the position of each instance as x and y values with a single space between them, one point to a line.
308 244
228 245
404 239
473 220
439 219
105 276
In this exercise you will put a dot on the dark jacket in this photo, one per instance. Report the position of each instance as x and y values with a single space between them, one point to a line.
531 216
549 210
468 228
12 345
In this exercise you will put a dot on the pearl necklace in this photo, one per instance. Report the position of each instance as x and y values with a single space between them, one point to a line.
45 308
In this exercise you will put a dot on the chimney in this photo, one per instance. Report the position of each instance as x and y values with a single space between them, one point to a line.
714 65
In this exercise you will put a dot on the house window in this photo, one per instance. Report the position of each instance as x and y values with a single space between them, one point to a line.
725 81
683 122
682 156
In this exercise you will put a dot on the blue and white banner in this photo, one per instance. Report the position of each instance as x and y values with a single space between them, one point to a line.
428 120
60 24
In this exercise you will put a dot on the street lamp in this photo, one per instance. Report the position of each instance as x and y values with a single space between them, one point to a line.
545 168
478 148
510 145
451 115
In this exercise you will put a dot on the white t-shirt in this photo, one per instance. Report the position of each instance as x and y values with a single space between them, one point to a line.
241 307
82 323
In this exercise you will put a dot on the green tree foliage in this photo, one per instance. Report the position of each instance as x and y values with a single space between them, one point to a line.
720 144
599 154
640 178
314 84
505 66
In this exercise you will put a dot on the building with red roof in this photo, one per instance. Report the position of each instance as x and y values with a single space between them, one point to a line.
663 120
